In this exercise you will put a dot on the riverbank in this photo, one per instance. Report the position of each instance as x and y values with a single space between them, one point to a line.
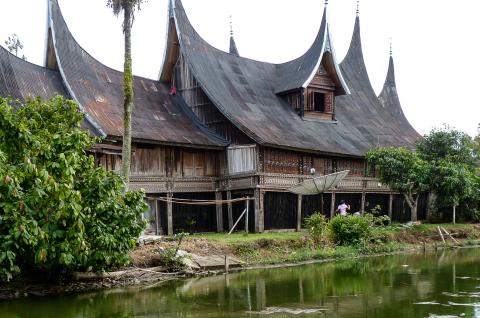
150 266
292 247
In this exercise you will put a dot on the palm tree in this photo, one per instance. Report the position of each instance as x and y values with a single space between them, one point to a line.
128 8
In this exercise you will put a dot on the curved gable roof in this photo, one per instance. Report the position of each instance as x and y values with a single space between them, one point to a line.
244 90
20 79
362 110
299 72
390 101
157 116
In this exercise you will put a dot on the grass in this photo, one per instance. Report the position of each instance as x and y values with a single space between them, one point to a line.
291 247
238 238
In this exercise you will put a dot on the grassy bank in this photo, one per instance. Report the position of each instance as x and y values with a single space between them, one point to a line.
291 247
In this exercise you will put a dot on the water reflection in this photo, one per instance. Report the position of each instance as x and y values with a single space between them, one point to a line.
433 285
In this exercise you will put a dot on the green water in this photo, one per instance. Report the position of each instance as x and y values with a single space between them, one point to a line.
446 284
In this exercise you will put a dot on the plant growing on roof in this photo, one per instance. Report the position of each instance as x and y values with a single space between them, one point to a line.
128 8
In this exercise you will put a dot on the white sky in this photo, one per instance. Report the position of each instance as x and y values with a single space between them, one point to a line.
435 42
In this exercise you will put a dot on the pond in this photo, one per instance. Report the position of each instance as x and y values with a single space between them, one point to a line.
442 284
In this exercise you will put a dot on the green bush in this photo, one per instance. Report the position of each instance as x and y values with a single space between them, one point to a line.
316 224
57 211
349 230
171 260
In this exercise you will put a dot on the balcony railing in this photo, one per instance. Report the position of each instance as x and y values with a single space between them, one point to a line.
241 181
162 184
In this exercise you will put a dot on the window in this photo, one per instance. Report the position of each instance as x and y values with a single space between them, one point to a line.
194 164
318 102
241 159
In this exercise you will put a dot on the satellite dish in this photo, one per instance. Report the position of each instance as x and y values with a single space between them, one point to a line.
319 184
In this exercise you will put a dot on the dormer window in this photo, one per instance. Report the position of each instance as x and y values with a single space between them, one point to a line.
319 103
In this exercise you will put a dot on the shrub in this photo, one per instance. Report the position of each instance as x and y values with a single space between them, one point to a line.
349 230
57 211
171 260
316 225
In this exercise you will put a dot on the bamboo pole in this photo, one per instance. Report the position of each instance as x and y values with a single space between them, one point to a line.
441 235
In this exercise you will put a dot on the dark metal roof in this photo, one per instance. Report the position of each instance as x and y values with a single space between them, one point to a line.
362 110
390 101
157 116
233 46
245 90
21 80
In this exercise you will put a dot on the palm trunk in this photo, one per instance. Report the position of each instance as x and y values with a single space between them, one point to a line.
128 94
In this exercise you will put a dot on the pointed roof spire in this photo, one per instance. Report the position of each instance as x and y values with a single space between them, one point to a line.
358 8
391 49
233 46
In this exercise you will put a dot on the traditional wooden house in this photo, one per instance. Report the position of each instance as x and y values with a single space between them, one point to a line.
235 128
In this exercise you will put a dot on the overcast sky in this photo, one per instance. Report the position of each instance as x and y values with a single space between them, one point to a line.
435 42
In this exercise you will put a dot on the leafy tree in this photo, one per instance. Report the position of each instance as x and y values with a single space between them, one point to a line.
476 147
447 144
128 8
57 211
452 157
402 170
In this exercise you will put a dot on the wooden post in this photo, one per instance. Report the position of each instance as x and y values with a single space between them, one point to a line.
230 210
332 206
322 204
157 216
259 211
170 214
299 212
390 207
247 208
219 209
362 205
454 212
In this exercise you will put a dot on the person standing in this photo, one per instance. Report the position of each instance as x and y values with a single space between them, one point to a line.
343 207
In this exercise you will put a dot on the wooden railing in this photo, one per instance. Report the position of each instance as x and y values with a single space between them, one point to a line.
268 181
163 184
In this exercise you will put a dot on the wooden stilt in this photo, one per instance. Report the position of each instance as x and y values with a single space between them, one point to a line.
390 207
332 206
219 210
362 205
229 210
299 212
259 211
170 214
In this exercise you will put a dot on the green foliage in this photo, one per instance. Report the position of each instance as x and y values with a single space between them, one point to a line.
171 260
349 230
57 211
354 229
452 156
447 144
401 169
316 224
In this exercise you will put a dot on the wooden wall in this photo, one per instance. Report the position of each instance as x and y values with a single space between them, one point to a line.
201 105
150 160
280 210
290 162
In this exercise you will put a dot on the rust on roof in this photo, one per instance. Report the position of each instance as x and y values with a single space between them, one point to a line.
157 116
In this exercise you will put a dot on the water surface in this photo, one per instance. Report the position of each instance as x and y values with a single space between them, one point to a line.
445 284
